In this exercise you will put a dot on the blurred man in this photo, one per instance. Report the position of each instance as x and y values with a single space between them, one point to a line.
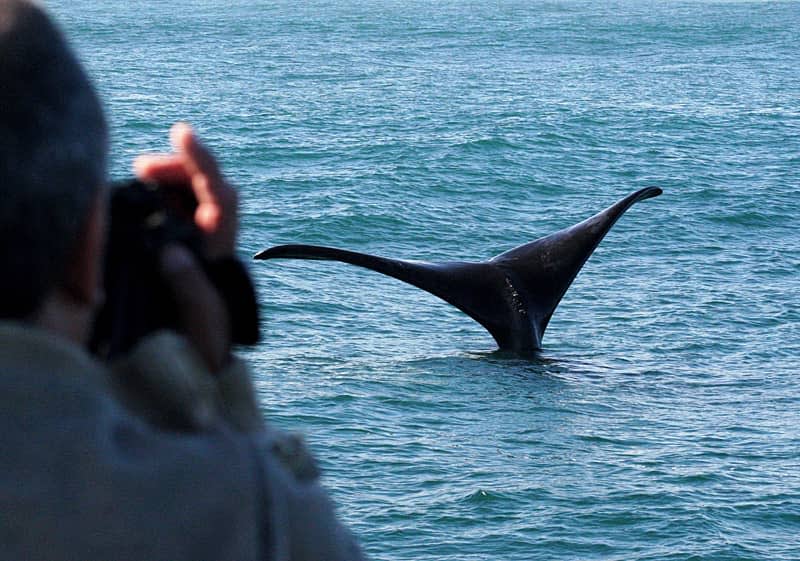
88 470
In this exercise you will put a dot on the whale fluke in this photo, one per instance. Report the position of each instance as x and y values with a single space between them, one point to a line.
514 294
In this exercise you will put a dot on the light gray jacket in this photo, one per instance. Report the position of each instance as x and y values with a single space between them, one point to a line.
85 478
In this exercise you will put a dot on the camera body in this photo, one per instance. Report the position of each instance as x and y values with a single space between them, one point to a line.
145 217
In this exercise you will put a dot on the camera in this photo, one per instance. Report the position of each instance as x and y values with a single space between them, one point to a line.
145 217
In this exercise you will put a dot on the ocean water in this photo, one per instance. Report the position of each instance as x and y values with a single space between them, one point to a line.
661 421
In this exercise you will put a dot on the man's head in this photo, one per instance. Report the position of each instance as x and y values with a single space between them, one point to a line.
53 147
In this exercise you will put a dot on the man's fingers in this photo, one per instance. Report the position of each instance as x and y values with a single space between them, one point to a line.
217 201
194 167
161 168
191 163
200 163
199 157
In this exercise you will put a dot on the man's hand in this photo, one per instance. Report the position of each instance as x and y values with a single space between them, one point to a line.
192 166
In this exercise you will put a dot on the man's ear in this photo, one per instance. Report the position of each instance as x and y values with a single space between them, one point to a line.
83 281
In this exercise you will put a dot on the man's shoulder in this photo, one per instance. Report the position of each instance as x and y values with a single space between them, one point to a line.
79 454
47 374
291 452
53 389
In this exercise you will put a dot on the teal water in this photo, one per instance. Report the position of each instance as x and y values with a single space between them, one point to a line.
661 421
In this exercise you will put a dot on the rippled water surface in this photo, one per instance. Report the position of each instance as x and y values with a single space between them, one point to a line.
660 422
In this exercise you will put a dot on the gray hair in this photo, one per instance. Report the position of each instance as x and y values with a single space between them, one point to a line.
53 152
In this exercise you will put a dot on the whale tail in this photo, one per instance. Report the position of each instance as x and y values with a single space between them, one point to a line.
546 267
512 295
